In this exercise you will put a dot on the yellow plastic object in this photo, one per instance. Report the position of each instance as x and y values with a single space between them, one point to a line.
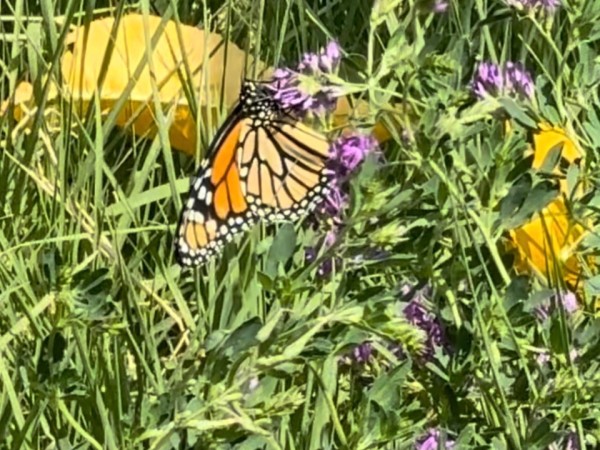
182 59
547 245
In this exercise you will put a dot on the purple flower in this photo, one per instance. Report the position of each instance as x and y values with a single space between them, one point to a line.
348 152
326 266
511 79
488 79
543 358
440 6
359 355
548 5
362 353
518 80
305 88
287 92
335 203
569 302
431 441
345 155
417 314
572 442
330 57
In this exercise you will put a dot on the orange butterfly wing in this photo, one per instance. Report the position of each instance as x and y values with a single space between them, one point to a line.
216 209
265 165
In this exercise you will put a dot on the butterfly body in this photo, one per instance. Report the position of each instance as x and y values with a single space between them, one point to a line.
262 165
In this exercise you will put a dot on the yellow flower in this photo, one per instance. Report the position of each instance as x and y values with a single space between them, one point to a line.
546 246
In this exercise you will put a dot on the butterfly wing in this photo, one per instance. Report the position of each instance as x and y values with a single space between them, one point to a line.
262 163
282 168
216 208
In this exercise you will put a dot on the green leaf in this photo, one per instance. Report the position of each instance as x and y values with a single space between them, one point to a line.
592 286
386 390
243 338
552 158
537 199
516 112
282 249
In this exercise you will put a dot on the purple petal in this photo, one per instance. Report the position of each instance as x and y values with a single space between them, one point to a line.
431 441
569 302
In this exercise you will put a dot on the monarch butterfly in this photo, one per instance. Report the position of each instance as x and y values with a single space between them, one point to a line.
262 164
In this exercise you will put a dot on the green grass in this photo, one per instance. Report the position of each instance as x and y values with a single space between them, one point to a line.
106 343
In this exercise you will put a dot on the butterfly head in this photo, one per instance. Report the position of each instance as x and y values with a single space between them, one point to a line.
257 100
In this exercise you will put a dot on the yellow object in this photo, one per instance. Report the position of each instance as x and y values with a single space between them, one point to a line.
547 245
548 137
179 59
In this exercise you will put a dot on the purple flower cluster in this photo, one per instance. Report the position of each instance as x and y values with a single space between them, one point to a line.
547 5
568 301
431 441
305 88
511 79
417 314
346 154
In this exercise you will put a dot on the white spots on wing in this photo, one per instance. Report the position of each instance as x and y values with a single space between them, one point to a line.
183 247
196 216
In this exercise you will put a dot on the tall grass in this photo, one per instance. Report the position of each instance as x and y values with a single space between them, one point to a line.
106 343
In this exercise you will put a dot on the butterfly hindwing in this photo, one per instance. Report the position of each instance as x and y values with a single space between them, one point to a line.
283 169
